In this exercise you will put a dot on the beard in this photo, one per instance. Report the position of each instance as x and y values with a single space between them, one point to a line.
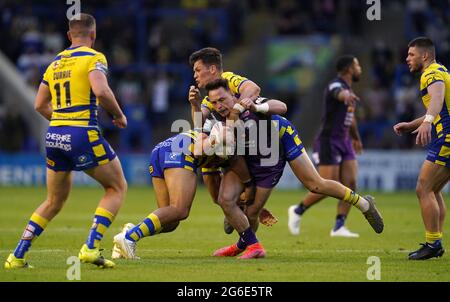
355 78
417 69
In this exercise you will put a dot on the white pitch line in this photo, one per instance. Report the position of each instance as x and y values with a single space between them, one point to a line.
51 229
343 251
38 251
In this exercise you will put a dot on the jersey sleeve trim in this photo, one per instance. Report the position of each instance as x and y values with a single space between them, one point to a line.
239 87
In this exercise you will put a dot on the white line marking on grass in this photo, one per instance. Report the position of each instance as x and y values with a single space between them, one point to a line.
51 229
345 251
40 251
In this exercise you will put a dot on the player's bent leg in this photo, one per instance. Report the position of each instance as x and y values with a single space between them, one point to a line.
295 212
253 211
229 193
212 183
305 172
441 203
110 176
431 179
230 190
58 188
176 193
126 241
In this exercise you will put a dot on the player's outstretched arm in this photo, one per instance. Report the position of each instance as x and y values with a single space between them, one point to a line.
264 106
348 97
103 92
407 127
42 103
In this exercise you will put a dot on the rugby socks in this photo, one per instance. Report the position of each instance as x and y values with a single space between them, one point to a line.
340 221
149 226
246 238
433 238
102 220
301 208
356 200
34 228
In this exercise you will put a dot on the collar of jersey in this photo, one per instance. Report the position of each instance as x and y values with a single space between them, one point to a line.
75 47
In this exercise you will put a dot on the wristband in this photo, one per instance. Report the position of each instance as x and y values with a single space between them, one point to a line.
239 107
429 118
262 108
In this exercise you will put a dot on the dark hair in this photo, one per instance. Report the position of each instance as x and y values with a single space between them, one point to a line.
424 43
208 55
217 84
344 62
81 24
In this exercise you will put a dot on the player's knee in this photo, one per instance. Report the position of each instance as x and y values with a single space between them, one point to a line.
227 201
226 205
123 186
170 227
182 214
55 204
120 187
421 188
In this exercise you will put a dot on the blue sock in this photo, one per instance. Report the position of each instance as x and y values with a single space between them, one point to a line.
247 238
300 209
148 227
340 221
34 228
102 220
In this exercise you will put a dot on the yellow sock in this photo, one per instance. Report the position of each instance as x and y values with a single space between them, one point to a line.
356 200
431 237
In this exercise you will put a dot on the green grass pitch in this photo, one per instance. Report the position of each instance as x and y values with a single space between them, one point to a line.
185 255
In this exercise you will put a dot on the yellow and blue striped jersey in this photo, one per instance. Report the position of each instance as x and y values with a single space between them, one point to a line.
234 83
432 74
73 101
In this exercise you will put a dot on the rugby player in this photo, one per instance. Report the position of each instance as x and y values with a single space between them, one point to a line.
266 177
72 87
173 167
207 67
336 145
432 129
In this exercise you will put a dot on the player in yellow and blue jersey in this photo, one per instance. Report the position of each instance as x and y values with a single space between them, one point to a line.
173 167
207 66
266 174
72 88
432 129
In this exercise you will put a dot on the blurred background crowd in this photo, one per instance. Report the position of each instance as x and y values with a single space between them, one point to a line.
287 47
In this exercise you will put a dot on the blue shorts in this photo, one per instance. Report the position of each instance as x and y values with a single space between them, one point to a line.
71 148
439 151
289 138
165 157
